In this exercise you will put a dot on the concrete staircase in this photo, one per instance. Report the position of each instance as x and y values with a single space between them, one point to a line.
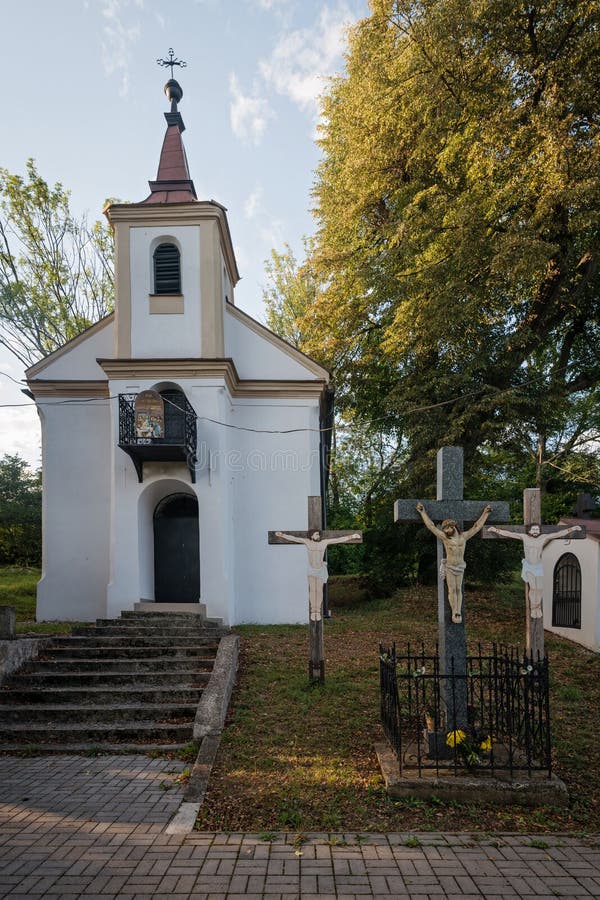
123 685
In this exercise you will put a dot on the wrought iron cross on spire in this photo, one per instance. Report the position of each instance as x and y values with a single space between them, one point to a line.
171 61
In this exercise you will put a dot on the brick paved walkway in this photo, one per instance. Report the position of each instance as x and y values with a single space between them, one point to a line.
76 827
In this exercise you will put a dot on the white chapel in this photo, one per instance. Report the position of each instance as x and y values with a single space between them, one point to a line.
177 431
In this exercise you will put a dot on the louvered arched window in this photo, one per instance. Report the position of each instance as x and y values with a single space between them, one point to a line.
167 269
566 592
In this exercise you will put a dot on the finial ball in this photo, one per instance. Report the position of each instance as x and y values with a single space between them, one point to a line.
173 90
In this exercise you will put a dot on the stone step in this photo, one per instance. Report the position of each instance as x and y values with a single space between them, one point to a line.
127 632
63 664
131 617
139 732
150 607
125 651
101 714
165 679
125 640
131 683
14 694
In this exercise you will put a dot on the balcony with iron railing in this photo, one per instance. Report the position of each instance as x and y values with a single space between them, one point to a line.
177 440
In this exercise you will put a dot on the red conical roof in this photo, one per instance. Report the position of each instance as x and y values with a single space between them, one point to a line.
173 183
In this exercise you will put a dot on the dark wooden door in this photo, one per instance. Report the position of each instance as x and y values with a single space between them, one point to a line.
176 550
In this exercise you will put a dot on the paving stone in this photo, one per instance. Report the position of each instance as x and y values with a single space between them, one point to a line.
76 839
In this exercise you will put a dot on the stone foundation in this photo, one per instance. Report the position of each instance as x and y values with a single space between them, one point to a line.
525 790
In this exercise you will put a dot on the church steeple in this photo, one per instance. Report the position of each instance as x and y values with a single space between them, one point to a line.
173 183
175 267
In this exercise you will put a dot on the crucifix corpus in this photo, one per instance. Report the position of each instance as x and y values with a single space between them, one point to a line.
452 511
534 536
316 542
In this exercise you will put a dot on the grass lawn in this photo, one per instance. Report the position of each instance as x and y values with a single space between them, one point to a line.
301 758
17 588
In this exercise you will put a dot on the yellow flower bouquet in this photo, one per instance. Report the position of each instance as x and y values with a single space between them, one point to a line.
471 749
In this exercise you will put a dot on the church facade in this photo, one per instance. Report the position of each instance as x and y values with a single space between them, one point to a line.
177 431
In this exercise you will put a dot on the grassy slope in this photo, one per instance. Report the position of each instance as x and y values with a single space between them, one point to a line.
17 588
302 758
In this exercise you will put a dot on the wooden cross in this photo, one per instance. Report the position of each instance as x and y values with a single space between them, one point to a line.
533 571
451 634
316 542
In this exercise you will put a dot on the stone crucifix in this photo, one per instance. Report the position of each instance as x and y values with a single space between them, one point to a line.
316 542
452 511
534 536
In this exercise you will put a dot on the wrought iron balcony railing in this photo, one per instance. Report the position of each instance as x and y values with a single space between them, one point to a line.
177 440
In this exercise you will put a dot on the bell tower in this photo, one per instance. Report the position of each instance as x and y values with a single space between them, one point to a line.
174 262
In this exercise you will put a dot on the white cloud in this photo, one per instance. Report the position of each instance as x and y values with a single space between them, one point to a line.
248 113
19 422
20 433
272 232
275 5
118 37
253 203
302 59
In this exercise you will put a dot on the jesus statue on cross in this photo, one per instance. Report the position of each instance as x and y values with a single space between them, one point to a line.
532 571
317 567
453 564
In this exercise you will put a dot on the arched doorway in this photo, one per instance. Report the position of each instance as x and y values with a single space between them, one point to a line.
566 592
176 550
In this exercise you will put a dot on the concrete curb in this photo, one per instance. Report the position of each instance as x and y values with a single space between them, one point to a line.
212 709
208 726
196 788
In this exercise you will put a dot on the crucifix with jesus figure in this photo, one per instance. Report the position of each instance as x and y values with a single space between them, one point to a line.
451 510
534 536
316 542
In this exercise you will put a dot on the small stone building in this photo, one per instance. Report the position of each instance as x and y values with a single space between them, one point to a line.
572 585
177 431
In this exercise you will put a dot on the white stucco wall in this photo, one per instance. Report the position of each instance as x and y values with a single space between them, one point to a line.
246 485
133 504
256 356
149 331
272 476
78 360
75 509
588 553
97 517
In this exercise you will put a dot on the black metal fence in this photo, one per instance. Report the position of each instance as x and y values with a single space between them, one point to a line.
508 718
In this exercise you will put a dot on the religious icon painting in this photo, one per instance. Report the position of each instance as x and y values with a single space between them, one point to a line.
149 416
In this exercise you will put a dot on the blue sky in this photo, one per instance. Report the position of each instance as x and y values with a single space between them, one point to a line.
83 97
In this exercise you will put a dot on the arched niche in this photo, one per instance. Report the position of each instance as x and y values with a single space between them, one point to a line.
566 592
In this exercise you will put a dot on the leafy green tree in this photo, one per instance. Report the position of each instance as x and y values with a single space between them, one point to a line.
291 290
458 202
56 271
20 513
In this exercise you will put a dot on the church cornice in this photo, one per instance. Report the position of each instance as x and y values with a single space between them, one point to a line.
222 369
64 388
